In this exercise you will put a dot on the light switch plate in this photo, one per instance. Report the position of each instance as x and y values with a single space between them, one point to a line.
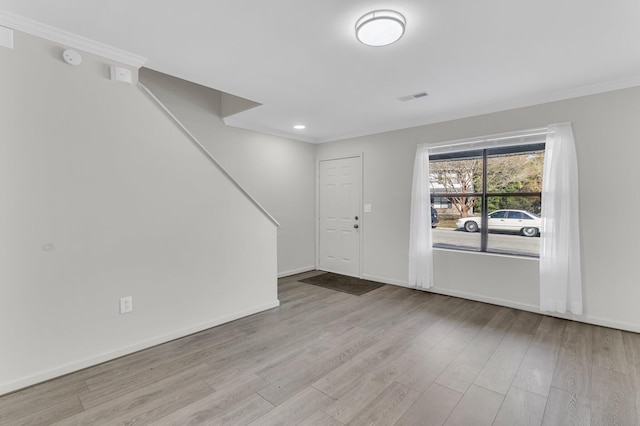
367 208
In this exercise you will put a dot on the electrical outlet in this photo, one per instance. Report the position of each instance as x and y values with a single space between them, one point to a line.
126 304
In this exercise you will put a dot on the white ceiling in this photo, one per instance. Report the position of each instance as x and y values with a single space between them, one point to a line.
301 61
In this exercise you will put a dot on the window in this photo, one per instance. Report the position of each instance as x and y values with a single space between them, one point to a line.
493 198
479 177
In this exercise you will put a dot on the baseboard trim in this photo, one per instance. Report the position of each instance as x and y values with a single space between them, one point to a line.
385 280
296 271
602 322
79 365
620 325
479 298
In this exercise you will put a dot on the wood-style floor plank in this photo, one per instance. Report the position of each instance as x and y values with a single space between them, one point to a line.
615 404
45 398
566 409
320 418
608 349
393 356
251 409
345 378
536 371
296 409
433 408
388 407
499 371
60 412
477 407
363 379
573 368
461 373
521 408
632 351
300 370
154 400
434 349
183 372
216 405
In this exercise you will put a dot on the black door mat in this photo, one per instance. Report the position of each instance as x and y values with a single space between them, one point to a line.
343 283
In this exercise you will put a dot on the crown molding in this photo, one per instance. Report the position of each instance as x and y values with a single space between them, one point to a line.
56 35
523 102
234 122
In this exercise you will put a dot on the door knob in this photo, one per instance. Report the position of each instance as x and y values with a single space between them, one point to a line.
356 226
356 218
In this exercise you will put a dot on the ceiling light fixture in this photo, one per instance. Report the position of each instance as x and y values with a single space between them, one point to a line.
380 27
299 127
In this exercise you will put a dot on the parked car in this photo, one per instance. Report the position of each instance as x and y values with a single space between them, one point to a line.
520 221
434 217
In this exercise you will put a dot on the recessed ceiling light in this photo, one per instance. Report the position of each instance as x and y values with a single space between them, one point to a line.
380 27
299 127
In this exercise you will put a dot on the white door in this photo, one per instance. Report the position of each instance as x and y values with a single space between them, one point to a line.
340 217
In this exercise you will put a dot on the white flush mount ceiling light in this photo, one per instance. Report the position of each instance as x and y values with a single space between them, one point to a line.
299 127
380 27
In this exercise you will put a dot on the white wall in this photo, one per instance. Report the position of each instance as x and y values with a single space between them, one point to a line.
131 208
607 131
278 172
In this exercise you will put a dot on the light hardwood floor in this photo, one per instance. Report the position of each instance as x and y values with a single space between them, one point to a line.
393 356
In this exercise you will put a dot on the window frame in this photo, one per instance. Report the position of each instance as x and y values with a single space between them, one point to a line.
484 195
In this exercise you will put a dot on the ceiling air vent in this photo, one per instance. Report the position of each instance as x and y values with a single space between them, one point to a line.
412 97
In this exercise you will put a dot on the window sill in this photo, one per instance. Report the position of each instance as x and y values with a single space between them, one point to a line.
492 254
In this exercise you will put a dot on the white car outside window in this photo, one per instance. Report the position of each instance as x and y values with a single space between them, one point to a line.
528 224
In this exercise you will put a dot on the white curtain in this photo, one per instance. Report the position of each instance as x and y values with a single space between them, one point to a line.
560 277
420 250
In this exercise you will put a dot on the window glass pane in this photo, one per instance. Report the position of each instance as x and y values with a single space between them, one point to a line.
457 176
515 172
517 231
452 231
500 205
514 183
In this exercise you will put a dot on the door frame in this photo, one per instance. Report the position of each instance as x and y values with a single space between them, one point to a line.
360 208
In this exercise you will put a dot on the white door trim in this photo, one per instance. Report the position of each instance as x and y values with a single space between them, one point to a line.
360 209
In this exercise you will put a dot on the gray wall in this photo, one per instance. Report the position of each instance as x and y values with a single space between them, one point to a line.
607 132
278 172
130 208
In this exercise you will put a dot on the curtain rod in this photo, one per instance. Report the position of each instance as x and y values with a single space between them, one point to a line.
540 131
